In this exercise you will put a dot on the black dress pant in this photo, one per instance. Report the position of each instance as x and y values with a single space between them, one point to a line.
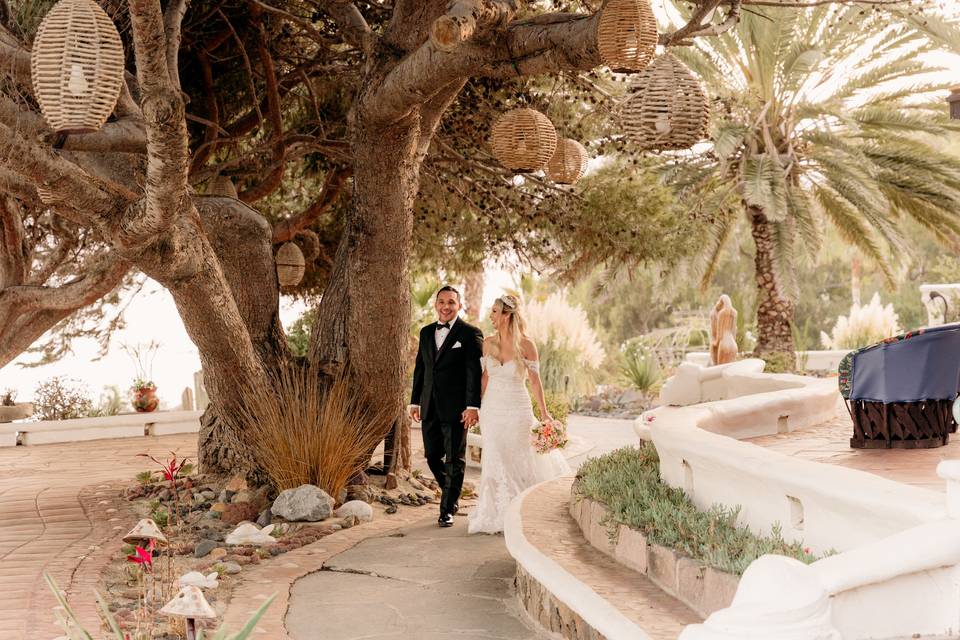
445 447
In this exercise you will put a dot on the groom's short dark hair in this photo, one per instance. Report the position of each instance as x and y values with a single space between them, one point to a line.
447 287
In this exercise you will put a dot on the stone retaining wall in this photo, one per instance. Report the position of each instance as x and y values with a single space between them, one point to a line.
704 589
548 612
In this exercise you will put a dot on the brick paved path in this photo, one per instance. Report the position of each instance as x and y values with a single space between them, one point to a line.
547 524
57 515
830 443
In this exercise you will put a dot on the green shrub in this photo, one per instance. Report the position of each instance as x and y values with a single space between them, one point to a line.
779 361
628 482
557 404
640 367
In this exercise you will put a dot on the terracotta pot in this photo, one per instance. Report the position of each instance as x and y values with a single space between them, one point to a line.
145 399
19 411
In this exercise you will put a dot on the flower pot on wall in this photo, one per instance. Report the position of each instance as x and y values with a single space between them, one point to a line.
18 411
145 399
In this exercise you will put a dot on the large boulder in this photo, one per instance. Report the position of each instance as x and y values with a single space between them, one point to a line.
306 503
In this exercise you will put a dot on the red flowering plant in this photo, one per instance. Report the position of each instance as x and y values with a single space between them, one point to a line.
547 436
172 471
143 557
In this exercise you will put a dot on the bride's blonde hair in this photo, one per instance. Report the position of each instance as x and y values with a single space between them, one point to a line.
510 307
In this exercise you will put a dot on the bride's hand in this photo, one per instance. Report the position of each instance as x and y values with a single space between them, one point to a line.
547 418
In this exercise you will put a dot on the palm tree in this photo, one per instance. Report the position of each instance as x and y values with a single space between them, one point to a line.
810 125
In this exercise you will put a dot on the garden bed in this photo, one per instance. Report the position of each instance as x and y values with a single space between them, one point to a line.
210 511
625 510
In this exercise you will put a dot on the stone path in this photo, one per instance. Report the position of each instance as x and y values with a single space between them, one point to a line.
44 525
830 443
547 524
422 582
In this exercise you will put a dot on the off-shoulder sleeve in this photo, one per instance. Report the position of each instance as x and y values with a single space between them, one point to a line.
533 365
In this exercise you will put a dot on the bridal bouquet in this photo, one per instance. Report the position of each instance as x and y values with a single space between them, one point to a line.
547 436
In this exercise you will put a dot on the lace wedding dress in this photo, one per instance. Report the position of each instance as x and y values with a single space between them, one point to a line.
509 464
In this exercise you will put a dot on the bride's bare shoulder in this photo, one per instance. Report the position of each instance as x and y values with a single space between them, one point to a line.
489 343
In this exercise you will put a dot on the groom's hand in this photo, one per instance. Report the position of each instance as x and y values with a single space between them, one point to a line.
414 412
469 418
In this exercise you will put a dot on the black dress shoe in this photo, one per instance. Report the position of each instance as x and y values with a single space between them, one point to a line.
455 509
446 520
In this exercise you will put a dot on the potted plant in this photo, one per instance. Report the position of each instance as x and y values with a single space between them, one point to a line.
143 392
145 397
11 410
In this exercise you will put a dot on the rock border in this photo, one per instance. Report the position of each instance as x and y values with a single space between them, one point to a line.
702 588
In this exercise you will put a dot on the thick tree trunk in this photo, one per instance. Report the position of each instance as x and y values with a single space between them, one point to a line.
364 315
774 309
473 295
241 240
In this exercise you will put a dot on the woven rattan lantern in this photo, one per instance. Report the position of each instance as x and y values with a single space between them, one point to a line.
290 265
627 34
523 139
568 163
223 186
667 107
77 66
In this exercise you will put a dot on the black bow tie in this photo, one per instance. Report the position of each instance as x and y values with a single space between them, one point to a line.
443 325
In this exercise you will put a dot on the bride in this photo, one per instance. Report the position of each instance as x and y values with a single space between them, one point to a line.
509 464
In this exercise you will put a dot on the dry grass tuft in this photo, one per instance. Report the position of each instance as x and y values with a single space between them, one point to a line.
309 429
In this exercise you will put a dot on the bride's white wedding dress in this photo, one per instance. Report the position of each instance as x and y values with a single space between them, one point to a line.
509 464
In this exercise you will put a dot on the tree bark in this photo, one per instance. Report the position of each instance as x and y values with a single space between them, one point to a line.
774 308
473 295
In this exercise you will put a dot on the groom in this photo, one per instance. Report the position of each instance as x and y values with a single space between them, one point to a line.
446 395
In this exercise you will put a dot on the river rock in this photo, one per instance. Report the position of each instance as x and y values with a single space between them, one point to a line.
203 548
306 503
358 508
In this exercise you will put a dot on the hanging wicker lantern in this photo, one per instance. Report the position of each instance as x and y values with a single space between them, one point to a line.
666 108
290 265
568 162
627 35
523 139
222 186
77 66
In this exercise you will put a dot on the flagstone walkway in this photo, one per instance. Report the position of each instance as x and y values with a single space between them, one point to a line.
45 527
830 443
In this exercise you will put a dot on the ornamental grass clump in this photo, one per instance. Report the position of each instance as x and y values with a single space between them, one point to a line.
628 482
867 324
306 429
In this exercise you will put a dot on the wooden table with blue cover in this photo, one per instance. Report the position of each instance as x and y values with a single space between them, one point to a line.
901 393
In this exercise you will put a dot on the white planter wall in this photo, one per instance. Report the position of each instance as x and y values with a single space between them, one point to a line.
130 425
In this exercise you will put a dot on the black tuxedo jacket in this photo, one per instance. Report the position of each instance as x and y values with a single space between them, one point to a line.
447 381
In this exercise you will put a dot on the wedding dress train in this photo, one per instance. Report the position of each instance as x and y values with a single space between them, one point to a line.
509 464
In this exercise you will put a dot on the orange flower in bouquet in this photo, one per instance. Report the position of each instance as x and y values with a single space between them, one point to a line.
547 436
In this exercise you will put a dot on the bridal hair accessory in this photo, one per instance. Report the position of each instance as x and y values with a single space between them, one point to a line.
508 301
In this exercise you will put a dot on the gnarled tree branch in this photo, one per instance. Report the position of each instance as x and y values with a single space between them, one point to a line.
285 230
353 27
168 158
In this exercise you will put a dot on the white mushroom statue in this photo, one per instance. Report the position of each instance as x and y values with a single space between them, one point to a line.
146 529
190 604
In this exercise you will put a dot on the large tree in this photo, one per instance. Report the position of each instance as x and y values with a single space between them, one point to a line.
279 95
813 127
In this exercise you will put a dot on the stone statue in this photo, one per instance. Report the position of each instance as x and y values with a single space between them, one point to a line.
723 332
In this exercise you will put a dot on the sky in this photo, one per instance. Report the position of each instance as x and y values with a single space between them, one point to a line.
152 316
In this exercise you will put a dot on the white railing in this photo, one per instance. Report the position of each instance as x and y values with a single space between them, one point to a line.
126 425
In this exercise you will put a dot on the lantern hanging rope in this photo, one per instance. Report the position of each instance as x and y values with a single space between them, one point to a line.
76 66
290 265
523 139
627 35
667 107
